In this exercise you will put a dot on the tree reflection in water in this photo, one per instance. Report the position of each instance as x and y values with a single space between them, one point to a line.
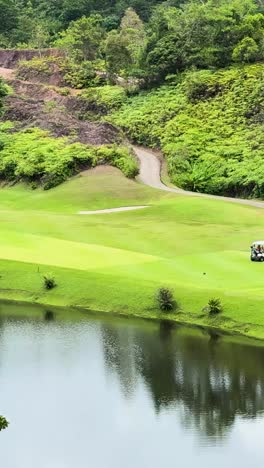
209 379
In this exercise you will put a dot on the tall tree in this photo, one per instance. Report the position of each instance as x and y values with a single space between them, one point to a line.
133 34
83 37
117 55
9 15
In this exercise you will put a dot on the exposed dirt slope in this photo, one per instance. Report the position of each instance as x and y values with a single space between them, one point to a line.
9 58
7 73
46 107
37 113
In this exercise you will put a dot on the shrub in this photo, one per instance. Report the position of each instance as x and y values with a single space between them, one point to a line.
43 65
79 75
3 423
49 282
123 160
76 75
214 307
105 98
166 300
39 159
3 93
200 86
63 91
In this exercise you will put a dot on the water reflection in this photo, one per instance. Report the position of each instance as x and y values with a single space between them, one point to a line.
208 379
49 315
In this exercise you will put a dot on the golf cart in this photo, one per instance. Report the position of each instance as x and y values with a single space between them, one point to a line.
257 251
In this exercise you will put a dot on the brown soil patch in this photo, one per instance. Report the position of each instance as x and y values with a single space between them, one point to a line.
53 116
34 104
7 73
9 58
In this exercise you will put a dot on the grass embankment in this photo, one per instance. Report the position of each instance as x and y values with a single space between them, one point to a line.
115 262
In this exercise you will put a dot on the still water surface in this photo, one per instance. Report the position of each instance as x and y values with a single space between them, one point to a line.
101 393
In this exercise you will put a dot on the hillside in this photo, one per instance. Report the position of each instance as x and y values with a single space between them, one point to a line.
43 140
185 77
209 126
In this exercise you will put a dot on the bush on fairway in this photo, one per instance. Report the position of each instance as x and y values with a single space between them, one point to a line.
3 423
214 307
49 282
166 300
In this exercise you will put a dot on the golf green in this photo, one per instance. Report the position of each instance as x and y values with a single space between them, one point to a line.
115 262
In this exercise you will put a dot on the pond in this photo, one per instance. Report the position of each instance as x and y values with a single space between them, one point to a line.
86 391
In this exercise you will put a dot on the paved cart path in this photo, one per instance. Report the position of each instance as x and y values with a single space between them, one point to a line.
150 170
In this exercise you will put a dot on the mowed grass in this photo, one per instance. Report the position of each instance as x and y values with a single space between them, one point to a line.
115 262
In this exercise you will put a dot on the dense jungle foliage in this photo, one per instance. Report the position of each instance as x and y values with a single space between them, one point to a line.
210 126
135 38
36 157
186 76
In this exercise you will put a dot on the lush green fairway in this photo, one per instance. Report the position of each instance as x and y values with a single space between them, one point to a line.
115 262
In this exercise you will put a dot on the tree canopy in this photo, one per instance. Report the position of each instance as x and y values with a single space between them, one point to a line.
148 40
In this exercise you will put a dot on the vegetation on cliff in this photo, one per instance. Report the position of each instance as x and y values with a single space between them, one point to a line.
210 127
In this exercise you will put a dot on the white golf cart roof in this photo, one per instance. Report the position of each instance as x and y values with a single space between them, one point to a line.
258 242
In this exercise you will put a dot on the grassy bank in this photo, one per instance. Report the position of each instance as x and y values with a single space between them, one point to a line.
115 262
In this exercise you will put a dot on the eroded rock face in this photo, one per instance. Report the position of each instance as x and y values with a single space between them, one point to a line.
34 104
54 117
9 58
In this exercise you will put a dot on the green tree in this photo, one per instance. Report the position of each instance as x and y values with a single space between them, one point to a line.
124 48
72 11
246 51
9 16
203 34
117 55
164 58
133 34
82 39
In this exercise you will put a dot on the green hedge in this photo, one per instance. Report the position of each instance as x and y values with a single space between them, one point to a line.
37 158
72 74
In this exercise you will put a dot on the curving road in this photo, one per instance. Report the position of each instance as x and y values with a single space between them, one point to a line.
150 170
